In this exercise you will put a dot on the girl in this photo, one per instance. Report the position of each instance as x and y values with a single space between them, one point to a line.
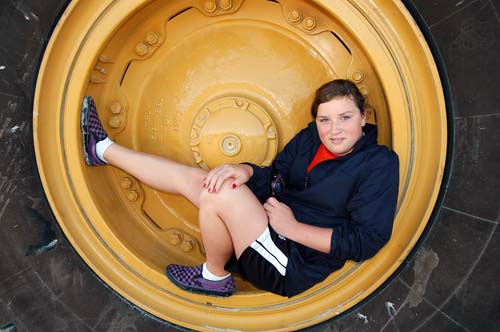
329 196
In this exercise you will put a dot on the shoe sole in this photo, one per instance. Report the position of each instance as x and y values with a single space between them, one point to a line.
83 127
197 290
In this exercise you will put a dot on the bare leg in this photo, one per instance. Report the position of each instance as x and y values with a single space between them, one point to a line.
230 221
214 231
158 172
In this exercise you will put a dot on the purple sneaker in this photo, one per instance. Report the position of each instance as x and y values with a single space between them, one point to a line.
92 131
190 279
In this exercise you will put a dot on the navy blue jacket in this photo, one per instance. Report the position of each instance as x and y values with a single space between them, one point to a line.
354 194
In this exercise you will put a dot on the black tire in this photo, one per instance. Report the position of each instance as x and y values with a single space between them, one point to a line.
448 284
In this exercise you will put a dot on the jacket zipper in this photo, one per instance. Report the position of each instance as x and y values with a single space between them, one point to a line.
305 182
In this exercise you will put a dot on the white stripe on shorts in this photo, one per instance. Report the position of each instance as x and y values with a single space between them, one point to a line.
265 246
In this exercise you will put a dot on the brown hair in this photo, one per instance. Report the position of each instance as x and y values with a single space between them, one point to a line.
336 89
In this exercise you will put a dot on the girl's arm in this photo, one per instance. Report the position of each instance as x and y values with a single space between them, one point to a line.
284 223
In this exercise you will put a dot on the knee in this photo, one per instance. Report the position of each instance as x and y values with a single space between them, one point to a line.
218 199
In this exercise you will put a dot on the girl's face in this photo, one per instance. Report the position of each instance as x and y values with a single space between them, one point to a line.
340 125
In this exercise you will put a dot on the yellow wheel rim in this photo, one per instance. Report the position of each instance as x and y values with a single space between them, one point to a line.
205 82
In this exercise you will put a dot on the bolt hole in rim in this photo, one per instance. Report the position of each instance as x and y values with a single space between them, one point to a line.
155 95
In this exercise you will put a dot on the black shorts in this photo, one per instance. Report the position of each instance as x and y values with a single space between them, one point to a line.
264 262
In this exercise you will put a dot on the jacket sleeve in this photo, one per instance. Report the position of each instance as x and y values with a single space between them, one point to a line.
371 210
260 182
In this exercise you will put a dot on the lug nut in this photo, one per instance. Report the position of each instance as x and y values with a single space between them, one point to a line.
96 79
296 16
115 107
187 246
210 6
141 49
132 195
126 183
364 90
310 23
115 122
226 4
357 76
152 38
175 239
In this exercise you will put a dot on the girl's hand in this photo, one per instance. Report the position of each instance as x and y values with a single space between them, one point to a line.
237 174
280 216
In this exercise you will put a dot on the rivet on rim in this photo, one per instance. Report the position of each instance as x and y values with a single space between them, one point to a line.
105 59
364 90
210 6
296 16
96 79
357 76
226 4
310 23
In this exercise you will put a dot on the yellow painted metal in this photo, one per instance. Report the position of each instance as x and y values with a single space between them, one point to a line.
212 81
